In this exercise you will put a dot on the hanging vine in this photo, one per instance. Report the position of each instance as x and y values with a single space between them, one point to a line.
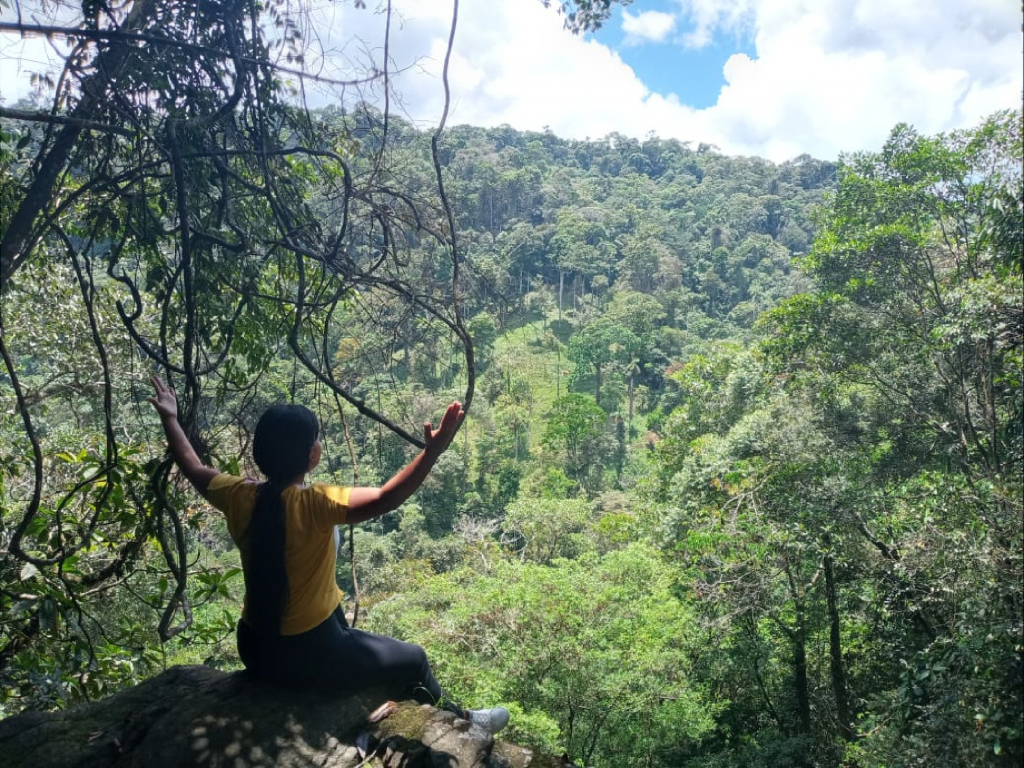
204 217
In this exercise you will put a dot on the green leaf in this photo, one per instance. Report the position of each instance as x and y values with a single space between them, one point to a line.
28 571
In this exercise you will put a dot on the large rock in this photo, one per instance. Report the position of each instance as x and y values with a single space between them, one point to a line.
200 716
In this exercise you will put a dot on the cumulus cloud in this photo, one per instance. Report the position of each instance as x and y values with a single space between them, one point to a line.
822 76
513 63
819 76
649 26
710 16
833 75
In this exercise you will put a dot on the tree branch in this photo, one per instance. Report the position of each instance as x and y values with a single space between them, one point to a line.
46 117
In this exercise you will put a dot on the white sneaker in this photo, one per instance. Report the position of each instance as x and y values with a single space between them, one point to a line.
491 720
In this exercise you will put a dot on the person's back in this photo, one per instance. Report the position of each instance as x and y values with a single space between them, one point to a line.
311 514
293 629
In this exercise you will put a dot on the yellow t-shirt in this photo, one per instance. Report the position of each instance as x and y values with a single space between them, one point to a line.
311 512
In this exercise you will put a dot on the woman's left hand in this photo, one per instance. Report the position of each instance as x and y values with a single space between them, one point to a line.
165 401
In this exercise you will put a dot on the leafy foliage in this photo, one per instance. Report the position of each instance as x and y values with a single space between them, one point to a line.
715 505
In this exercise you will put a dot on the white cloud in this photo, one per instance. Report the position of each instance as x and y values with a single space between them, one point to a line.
649 26
834 75
513 63
21 58
710 16
823 76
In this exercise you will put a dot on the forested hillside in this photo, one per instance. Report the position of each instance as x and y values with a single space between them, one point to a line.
741 480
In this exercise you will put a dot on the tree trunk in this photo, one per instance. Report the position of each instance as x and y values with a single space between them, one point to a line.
19 238
839 685
632 392
798 640
561 286
800 686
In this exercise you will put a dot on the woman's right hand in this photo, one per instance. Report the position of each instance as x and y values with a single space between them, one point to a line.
436 441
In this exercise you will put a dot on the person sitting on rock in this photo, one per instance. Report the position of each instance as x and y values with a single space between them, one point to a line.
293 628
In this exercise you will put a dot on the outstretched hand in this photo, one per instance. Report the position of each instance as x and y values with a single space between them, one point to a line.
368 503
437 440
165 401
181 449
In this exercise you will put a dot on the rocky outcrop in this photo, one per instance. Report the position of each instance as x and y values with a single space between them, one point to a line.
201 716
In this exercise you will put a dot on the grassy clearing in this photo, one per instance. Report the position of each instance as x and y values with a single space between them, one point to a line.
533 353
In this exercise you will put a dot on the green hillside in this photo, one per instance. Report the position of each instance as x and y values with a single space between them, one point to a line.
740 482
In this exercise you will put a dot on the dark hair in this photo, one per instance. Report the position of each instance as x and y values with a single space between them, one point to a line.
285 434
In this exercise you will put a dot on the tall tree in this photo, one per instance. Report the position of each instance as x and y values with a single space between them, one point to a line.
914 343
197 208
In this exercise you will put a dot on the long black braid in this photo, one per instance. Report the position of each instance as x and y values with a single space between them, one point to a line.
284 437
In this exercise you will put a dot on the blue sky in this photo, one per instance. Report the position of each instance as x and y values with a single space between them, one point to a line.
772 78
693 73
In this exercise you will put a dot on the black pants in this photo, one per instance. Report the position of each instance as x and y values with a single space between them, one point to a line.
336 657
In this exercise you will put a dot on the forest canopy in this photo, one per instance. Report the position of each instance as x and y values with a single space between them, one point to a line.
742 476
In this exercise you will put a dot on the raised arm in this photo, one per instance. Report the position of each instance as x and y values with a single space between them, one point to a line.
181 449
368 503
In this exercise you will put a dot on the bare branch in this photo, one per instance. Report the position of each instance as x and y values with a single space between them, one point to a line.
47 117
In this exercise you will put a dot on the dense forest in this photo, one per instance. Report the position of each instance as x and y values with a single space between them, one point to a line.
741 480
